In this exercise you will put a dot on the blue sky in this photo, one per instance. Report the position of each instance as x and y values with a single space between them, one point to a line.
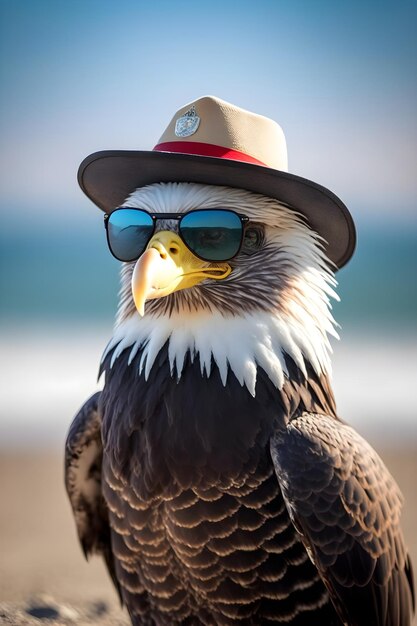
83 75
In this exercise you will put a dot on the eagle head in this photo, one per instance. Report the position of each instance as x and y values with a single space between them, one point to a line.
270 299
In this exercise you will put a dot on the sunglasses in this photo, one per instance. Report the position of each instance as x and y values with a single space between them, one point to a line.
210 234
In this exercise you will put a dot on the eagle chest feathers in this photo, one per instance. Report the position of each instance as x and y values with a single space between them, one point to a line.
199 524
212 472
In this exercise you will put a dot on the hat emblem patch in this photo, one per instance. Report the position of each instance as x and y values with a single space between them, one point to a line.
187 124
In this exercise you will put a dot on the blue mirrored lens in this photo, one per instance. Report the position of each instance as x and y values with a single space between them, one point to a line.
128 232
213 234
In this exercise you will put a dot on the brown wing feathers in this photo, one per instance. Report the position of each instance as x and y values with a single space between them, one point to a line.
346 506
83 461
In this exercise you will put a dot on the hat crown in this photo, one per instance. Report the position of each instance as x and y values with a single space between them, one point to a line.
214 122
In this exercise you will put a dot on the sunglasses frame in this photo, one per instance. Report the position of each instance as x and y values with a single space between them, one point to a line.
244 219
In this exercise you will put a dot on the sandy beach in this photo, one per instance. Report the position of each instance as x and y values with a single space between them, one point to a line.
43 575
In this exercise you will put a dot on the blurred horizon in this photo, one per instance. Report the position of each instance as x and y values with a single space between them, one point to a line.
90 75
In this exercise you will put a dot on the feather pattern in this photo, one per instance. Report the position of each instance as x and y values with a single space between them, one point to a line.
83 460
198 519
346 507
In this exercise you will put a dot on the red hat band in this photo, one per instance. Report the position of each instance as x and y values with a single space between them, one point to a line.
206 149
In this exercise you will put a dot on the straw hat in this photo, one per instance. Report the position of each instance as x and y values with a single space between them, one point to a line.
213 142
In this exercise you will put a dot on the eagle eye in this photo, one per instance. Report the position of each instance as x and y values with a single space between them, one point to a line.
253 239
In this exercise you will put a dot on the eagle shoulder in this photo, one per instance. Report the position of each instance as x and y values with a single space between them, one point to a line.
83 481
346 507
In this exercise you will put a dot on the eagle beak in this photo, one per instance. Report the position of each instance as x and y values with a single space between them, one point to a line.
167 266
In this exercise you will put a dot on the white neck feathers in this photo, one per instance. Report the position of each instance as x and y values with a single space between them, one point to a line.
241 344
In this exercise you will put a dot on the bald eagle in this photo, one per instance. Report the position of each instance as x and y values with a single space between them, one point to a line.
212 472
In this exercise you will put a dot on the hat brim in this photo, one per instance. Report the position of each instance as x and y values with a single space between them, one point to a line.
108 177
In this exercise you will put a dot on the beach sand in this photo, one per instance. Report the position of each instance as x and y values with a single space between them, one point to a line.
43 575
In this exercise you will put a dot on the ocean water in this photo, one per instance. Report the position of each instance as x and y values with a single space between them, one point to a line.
56 271
58 295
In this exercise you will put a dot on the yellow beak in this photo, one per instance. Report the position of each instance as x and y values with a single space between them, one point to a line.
167 266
